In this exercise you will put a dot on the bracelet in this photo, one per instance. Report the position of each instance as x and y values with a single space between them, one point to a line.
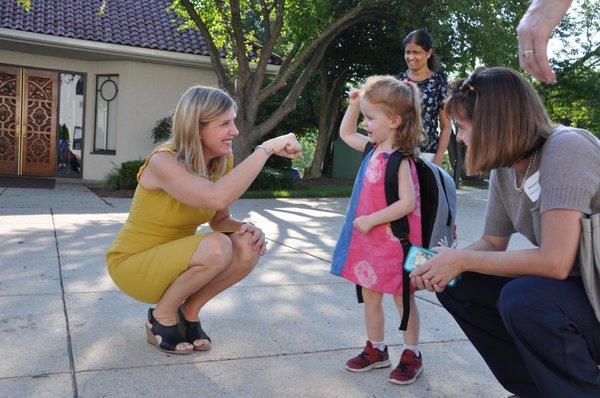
267 151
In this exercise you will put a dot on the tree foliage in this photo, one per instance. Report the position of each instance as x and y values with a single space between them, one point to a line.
466 34
365 49
26 4
470 33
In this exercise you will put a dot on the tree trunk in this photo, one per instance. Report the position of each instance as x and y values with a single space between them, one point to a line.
316 167
328 114
244 144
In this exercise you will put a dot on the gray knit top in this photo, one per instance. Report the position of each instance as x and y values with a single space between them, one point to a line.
569 178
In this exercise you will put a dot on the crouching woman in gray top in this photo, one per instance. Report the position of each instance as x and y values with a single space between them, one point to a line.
525 311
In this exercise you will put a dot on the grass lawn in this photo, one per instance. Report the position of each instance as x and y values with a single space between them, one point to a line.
316 188
306 192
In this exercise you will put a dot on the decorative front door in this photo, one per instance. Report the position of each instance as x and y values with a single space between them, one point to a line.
10 118
38 138
28 109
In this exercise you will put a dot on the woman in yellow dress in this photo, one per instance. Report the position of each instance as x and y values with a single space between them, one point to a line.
158 257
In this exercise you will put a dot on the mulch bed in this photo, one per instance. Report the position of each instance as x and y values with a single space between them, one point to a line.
105 193
27 182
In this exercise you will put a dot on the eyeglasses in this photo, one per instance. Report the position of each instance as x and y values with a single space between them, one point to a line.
468 85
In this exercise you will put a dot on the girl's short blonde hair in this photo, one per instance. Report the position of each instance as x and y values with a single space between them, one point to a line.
507 115
398 98
198 106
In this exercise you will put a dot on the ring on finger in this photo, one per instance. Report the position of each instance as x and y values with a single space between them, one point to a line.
527 53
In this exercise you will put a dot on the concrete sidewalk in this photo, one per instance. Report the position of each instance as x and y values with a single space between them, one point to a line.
286 330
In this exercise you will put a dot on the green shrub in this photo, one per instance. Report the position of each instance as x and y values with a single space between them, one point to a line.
111 181
270 179
124 176
128 174
161 130
279 163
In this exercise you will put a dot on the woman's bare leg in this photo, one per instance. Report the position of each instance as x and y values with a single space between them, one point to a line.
243 261
212 256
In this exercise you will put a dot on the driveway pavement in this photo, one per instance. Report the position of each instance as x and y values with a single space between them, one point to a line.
286 330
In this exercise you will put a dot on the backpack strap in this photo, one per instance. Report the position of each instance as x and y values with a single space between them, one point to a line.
368 148
400 227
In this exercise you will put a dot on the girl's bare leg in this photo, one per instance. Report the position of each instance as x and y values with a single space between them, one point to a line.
411 335
374 317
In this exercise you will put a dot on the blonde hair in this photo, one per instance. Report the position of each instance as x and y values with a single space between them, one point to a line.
398 98
507 115
198 106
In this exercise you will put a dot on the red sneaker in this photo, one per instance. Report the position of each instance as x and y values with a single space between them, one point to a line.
370 358
409 368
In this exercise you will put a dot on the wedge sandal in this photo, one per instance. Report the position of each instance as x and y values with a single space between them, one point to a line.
171 336
193 331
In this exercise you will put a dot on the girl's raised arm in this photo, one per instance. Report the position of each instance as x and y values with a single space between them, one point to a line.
348 131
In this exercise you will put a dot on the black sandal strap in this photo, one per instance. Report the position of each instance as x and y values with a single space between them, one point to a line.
171 336
193 330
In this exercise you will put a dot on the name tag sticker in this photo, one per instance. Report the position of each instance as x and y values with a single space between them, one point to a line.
532 187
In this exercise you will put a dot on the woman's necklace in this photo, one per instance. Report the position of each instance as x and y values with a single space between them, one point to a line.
418 79
531 161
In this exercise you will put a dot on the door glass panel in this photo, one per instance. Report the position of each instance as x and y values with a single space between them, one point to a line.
70 128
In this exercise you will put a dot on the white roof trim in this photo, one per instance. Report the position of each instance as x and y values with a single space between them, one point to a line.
137 53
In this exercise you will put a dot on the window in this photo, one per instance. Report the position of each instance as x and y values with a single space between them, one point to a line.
77 138
70 116
79 87
107 90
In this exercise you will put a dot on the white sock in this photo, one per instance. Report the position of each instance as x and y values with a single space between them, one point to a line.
413 348
380 345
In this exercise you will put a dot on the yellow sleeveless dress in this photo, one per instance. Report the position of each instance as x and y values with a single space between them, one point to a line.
157 241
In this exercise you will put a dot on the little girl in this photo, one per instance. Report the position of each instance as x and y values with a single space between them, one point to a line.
367 252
